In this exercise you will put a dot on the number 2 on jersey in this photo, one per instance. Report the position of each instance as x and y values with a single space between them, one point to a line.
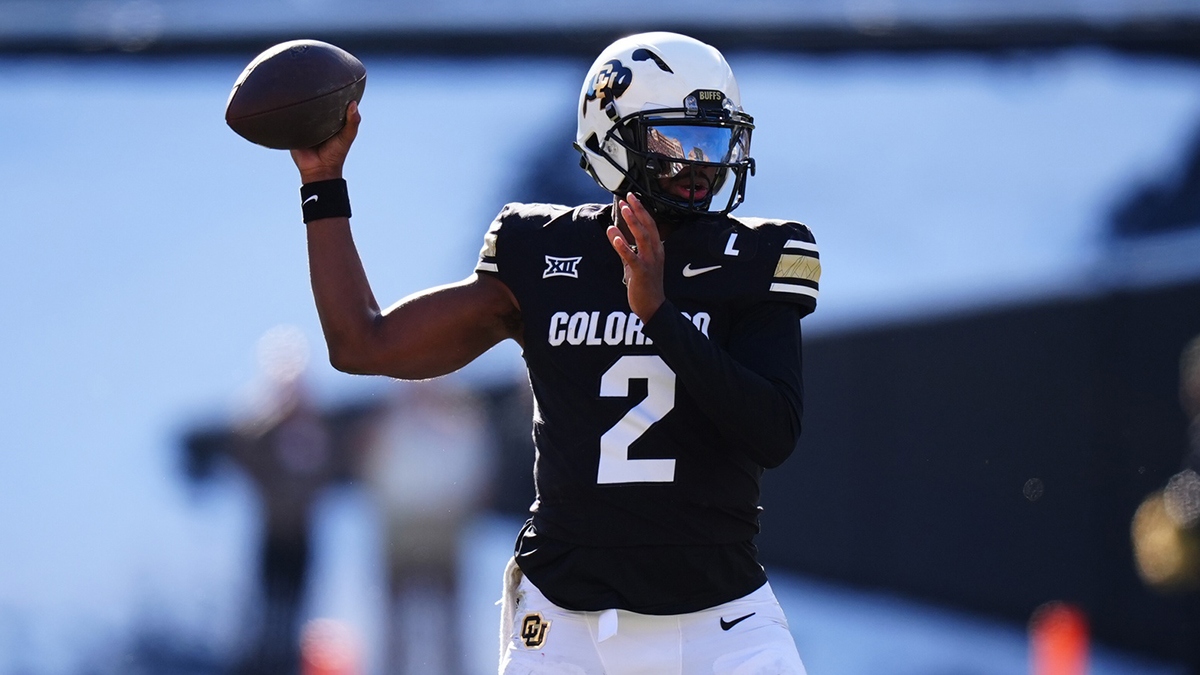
615 464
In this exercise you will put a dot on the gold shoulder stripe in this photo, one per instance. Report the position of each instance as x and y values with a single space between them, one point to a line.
802 245
798 267
795 289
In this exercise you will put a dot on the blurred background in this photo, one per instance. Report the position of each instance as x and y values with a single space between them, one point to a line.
998 469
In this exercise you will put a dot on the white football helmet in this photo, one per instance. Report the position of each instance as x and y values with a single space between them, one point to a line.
660 115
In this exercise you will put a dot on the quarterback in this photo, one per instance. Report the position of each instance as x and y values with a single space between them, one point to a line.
662 340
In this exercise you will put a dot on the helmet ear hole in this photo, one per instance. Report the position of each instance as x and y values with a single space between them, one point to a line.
583 158
583 163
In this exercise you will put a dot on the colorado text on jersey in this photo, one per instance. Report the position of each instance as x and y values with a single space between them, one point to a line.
619 328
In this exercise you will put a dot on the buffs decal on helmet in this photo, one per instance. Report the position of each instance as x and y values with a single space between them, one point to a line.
610 82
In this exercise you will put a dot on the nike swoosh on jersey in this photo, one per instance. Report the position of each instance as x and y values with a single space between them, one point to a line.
689 271
726 625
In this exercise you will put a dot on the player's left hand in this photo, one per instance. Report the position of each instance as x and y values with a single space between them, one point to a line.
644 260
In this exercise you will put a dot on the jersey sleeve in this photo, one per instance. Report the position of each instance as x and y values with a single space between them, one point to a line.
753 392
489 262
797 273
511 231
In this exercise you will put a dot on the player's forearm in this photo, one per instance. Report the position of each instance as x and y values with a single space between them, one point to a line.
345 304
757 409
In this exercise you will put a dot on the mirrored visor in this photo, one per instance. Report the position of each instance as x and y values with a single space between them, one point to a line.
697 143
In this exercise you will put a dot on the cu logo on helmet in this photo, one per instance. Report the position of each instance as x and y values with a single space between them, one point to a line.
609 82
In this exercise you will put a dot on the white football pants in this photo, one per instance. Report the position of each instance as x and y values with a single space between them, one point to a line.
747 636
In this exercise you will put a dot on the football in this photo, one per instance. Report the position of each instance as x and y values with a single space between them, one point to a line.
294 95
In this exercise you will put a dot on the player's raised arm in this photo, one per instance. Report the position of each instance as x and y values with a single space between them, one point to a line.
425 335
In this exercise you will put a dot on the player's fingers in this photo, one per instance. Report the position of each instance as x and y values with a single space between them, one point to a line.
636 228
634 253
353 119
628 255
325 160
641 225
640 210
345 136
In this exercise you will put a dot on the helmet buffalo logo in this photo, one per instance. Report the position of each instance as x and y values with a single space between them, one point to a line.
608 84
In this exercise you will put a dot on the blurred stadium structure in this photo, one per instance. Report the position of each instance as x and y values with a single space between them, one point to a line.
1162 26
987 456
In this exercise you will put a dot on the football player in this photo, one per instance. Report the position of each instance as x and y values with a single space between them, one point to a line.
662 339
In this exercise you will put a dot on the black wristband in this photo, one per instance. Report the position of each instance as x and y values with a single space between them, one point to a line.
325 199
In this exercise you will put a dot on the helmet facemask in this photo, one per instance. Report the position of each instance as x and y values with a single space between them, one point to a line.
683 160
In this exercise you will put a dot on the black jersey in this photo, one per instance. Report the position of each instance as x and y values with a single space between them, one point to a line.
646 445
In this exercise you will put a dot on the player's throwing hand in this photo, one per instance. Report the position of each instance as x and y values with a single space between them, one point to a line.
325 161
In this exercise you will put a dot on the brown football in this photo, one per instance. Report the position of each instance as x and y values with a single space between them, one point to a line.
294 95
